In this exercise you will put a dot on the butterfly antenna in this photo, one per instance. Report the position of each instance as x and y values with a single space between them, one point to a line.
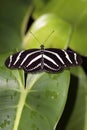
49 36
35 37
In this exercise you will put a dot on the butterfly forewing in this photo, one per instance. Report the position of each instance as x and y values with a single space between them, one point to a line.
33 65
26 60
62 58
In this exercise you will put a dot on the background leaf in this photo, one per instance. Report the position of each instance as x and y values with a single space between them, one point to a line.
43 27
31 108
13 16
74 115
74 12
39 106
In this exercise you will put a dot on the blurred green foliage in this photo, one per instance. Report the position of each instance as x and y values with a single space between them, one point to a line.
41 105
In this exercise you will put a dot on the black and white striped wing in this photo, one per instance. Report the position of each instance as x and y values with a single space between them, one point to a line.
56 60
29 60
51 60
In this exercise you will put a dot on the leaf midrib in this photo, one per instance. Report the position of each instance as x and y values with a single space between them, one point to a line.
20 107
23 94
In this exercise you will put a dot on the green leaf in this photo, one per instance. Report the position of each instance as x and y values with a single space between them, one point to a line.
74 13
38 107
69 10
43 27
78 118
79 37
13 16
75 112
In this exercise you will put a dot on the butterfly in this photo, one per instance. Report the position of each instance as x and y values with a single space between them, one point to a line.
51 60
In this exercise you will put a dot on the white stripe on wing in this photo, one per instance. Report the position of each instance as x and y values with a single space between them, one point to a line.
56 54
35 59
18 57
50 59
67 56
26 57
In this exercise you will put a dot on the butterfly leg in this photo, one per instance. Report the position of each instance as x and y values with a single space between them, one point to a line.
25 79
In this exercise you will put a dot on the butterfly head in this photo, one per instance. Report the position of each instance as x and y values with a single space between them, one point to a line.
42 47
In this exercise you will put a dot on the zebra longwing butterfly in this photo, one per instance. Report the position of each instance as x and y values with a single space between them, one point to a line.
36 60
